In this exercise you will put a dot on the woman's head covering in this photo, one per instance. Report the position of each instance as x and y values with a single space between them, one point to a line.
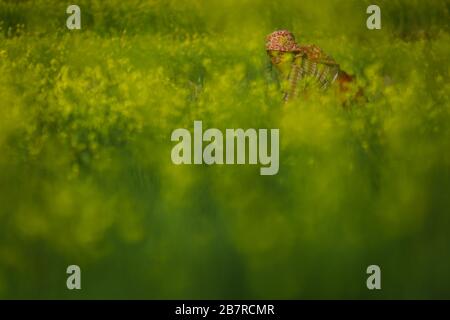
282 40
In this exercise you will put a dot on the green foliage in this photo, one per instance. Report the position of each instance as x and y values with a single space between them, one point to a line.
86 176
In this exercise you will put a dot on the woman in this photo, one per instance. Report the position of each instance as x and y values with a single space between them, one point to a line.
303 67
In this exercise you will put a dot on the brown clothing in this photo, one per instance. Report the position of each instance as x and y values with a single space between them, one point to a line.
313 69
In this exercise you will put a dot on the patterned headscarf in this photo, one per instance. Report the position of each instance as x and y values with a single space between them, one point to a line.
282 40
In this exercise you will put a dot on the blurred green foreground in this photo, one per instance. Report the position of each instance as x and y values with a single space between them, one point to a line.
86 176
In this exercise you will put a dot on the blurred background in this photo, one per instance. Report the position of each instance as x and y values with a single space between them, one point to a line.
86 176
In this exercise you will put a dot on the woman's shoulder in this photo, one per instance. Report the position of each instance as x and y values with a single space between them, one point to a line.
315 53
311 51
